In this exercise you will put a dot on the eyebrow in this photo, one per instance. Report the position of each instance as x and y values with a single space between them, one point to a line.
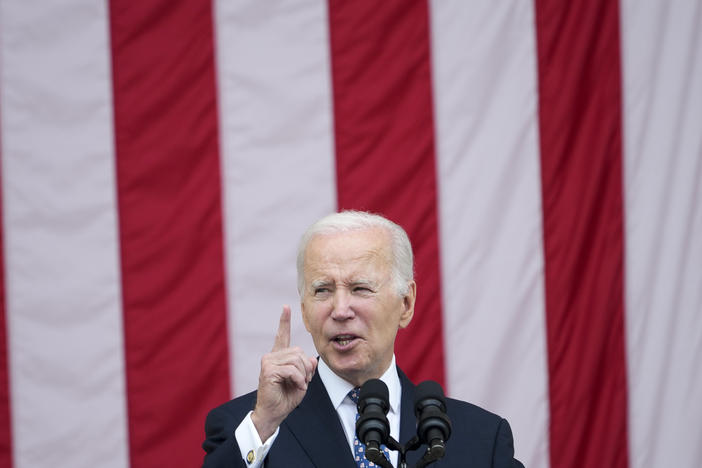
319 283
362 281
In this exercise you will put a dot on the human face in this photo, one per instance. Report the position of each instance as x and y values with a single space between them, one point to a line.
350 304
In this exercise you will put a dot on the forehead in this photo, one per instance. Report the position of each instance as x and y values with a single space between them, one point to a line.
348 249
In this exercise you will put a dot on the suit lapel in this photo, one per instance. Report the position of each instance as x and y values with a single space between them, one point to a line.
316 426
408 422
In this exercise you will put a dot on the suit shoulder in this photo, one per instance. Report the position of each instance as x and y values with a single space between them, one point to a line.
487 435
464 406
472 418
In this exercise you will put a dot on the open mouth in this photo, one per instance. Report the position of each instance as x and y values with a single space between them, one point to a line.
344 340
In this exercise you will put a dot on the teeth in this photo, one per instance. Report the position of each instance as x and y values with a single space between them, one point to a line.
344 340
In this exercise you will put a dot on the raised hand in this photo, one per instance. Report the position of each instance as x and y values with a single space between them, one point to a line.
282 383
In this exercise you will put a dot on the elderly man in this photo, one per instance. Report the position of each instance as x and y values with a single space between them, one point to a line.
355 278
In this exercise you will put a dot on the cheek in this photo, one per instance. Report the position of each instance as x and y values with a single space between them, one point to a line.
383 319
392 312
308 316
314 315
305 319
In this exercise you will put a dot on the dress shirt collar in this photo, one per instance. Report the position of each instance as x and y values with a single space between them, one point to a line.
338 388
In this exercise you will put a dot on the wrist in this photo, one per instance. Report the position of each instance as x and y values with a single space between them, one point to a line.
264 426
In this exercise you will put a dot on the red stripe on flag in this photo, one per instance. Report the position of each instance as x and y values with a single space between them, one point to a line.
384 135
168 180
581 157
5 414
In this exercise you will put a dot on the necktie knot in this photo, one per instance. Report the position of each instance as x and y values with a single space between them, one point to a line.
354 394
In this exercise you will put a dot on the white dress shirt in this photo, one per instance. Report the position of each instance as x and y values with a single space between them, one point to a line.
252 448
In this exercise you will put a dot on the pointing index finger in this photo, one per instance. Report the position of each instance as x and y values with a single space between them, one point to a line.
282 338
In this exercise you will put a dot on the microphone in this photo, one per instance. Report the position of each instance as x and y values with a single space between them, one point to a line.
433 424
372 426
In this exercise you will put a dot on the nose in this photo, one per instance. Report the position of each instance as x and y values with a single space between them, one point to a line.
342 305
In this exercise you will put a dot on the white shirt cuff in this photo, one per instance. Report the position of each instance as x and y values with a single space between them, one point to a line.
253 451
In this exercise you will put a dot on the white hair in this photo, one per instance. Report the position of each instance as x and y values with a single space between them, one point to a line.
346 221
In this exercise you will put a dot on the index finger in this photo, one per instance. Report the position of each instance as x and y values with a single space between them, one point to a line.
282 338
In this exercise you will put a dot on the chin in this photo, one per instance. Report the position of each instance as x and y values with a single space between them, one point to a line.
346 370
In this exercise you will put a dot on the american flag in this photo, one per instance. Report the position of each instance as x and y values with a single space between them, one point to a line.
161 158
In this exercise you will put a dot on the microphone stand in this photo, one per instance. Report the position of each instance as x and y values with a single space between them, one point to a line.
432 454
412 444
429 457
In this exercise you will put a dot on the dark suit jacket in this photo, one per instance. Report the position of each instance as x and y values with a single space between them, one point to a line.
312 436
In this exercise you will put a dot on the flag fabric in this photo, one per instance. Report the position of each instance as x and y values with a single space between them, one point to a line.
160 160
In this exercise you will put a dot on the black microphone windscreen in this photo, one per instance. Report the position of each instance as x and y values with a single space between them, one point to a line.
433 424
374 388
429 390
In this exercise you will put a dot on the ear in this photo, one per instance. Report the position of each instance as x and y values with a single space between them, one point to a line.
408 305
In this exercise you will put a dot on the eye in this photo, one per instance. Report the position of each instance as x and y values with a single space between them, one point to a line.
321 291
362 289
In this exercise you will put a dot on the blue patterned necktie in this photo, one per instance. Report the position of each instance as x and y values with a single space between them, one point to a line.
359 449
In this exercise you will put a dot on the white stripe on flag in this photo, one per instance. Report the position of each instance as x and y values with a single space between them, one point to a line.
63 295
278 163
662 64
490 205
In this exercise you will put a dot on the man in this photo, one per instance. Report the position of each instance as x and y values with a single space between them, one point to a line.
355 278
